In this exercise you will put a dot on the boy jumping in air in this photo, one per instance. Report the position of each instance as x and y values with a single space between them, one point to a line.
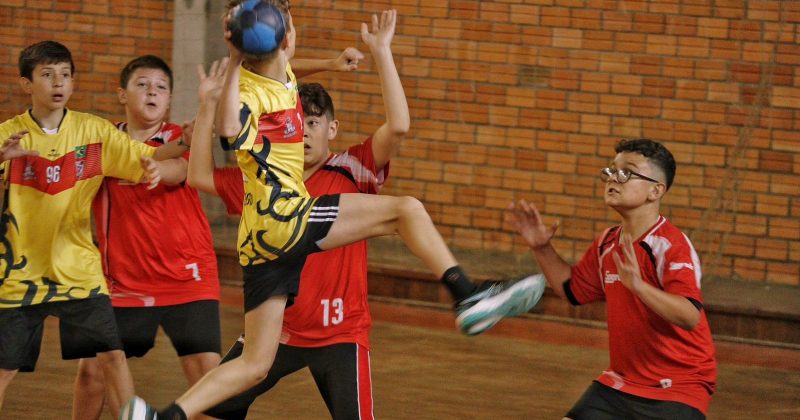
260 114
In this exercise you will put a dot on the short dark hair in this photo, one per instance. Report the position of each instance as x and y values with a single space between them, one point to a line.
45 52
315 100
144 62
654 151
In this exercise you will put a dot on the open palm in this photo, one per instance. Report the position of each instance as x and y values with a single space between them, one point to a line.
382 30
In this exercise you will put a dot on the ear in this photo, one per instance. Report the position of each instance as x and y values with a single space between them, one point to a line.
26 85
333 129
657 191
122 95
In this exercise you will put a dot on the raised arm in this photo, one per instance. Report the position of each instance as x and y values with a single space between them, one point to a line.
346 61
525 218
388 136
227 119
201 160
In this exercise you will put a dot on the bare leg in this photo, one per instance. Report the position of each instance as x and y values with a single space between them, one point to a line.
89 391
119 382
5 378
262 327
195 366
198 364
363 216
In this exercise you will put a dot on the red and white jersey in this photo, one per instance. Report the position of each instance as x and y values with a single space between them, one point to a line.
650 357
331 305
156 244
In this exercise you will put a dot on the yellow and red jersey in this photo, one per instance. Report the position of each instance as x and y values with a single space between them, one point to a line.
46 248
331 306
269 151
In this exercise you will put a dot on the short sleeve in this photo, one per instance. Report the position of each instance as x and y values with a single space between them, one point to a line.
229 184
121 155
249 111
585 282
360 162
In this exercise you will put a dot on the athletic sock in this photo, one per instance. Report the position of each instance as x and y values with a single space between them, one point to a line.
458 283
172 412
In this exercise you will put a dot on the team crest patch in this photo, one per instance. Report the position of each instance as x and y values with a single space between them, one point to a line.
80 152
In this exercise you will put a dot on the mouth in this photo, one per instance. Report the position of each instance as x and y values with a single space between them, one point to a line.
58 97
612 190
151 105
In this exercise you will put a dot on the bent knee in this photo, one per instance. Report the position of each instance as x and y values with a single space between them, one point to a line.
410 206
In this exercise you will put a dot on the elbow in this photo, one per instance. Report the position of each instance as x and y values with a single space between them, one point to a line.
689 323
399 130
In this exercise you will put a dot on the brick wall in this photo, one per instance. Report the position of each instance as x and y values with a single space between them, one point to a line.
101 35
525 99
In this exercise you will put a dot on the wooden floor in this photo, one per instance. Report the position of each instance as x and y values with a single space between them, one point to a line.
527 368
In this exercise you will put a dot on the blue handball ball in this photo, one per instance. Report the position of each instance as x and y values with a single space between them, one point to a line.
257 27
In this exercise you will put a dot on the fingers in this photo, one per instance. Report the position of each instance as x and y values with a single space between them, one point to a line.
151 173
201 72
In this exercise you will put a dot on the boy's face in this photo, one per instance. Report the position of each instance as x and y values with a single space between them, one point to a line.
319 131
147 96
50 87
637 191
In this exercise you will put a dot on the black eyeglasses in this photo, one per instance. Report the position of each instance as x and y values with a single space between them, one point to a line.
623 175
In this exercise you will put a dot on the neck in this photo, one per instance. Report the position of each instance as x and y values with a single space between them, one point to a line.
141 132
48 119
273 69
310 170
637 221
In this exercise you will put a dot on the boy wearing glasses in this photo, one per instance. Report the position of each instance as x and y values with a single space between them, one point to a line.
662 362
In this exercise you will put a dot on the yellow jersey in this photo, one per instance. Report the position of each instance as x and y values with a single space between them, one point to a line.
269 151
46 248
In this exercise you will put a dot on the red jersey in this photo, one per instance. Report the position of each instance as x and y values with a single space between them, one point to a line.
331 305
155 244
650 357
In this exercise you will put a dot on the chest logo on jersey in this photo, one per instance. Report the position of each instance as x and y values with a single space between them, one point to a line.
610 277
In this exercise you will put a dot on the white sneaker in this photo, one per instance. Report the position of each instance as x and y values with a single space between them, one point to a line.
496 300
137 409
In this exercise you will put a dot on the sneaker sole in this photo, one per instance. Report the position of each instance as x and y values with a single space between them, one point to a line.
518 299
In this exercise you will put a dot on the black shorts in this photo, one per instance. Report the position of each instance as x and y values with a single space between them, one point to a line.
600 402
281 277
341 372
192 327
86 327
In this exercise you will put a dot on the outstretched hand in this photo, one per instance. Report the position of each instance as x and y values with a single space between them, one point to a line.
382 30
11 149
152 173
210 87
526 220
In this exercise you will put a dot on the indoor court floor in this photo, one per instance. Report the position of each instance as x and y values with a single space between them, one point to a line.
526 368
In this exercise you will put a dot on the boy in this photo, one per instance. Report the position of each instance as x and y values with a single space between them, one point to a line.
327 328
647 271
156 246
282 224
53 163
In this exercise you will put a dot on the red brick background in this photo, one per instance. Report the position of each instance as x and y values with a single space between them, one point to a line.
525 99
102 36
